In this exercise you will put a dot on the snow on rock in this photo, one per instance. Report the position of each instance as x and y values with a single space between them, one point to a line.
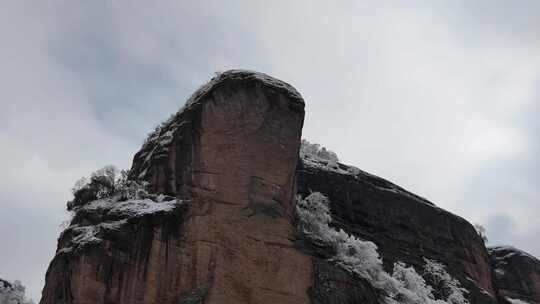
316 151
13 293
506 252
516 301
501 255
160 139
515 274
315 155
104 203
135 208
404 285
448 286
243 75
166 129
110 214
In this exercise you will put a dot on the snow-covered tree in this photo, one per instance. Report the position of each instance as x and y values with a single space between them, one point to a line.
316 151
481 232
445 284
13 293
102 183
403 286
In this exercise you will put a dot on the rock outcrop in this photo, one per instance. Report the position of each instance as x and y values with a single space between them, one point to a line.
117 252
516 275
230 155
404 226
219 223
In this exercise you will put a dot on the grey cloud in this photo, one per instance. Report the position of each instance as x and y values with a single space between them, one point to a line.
126 72
515 21
440 97
502 227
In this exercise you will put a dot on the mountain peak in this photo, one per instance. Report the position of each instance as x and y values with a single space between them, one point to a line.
225 204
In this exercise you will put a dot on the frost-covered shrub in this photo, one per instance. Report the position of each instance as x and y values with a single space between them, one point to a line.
358 255
13 293
317 152
412 288
154 134
404 285
102 183
352 253
315 155
449 287
314 217
481 230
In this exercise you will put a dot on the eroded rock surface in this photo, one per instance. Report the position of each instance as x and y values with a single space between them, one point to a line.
405 227
230 155
516 274
117 252
218 225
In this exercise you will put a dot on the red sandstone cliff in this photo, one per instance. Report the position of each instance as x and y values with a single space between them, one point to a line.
516 275
225 231
230 155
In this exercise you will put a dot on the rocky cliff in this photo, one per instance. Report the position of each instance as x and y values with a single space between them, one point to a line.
228 215
516 275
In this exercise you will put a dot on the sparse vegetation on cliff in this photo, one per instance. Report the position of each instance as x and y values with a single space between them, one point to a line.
107 194
106 182
404 285
13 293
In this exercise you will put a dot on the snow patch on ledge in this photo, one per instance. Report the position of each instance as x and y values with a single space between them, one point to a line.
317 156
137 208
516 301
502 253
114 215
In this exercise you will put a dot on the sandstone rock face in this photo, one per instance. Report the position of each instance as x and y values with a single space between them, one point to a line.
516 274
109 257
218 225
230 155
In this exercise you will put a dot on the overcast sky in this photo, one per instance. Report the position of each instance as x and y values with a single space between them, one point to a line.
441 97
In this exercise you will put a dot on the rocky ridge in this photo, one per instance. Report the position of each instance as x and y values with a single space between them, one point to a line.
222 223
516 275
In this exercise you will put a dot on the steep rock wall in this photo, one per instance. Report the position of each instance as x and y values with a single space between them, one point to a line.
516 274
130 263
230 155
406 228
